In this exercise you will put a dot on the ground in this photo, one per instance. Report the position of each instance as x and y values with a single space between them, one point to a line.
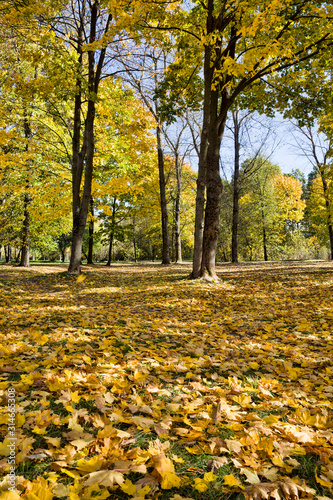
136 382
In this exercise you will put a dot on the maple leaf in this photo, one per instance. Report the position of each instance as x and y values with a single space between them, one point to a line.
9 495
108 478
230 480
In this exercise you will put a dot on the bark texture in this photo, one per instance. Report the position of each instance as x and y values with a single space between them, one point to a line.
163 201
91 234
178 242
235 207
83 155
113 225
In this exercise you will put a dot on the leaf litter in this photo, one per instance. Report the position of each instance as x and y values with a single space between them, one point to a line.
138 383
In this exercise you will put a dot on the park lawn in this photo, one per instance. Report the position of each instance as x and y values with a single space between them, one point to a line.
136 382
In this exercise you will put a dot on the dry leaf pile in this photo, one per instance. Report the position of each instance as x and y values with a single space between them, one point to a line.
139 383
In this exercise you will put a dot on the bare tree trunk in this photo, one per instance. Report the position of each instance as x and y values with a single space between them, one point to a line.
84 156
201 181
178 242
77 160
91 233
134 239
113 224
235 208
264 236
24 262
163 201
27 200
213 205
8 254
328 212
110 249
173 233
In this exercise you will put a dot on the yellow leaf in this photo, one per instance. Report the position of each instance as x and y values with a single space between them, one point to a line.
278 461
91 465
323 481
209 477
242 399
20 420
170 480
143 491
9 495
271 419
200 484
230 480
4 447
108 478
251 477
39 430
81 443
60 490
195 450
54 441
123 434
70 473
128 487
28 379
80 278
254 365
43 340
40 490
75 397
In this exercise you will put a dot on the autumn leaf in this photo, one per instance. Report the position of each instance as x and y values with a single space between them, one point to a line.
91 411
108 478
230 480
128 487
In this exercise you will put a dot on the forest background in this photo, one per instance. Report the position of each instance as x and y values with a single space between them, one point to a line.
105 109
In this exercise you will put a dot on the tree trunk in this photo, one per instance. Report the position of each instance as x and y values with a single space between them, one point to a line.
173 233
27 200
78 155
91 233
110 249
328 212
164 211
83 157
134 240
213 205
201 181
134 248
18 257
113 224
235 208
178 243
24 262
216 104
264 237
8 254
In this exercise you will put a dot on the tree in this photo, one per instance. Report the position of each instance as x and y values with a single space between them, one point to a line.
144 77
270 211
242 43
318 149
244 125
